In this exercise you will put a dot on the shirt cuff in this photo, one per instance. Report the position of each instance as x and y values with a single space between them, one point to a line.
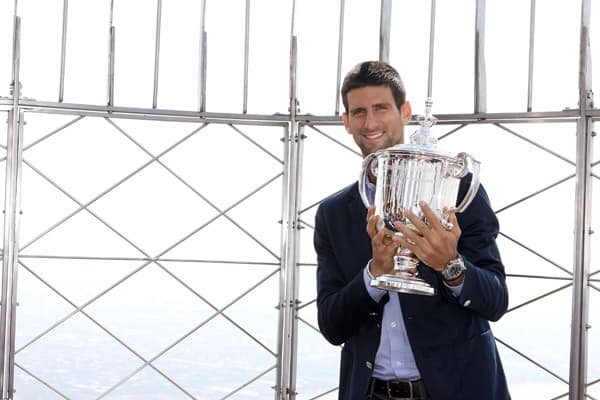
456 290
375 293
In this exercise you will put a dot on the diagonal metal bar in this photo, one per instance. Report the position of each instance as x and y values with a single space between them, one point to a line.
306 304
324 393
529 196
539 297
539 146
223 213
595 163
309 324
153 259
40 380
595 273
334 140
121 181
30 145
594 287
531 360
203 323
235 128
80 204
148 362
306 224
565 394
140 268
102 327
316 203
458 128
250 382
536 253
77 308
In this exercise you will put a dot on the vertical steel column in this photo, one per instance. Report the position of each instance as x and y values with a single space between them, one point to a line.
339 58
202 62
285 387
480 73
583 217
111 58
431 50
246 56
531 54
157 52
385 26
11 227
63 51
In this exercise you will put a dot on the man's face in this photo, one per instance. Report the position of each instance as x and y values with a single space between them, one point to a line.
374 120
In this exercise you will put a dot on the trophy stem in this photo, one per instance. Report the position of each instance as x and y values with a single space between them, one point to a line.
404 279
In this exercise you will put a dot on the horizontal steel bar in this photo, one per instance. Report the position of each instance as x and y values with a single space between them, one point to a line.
146 259
567 115
559 278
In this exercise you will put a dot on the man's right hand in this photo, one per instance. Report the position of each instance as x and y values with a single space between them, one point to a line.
384 246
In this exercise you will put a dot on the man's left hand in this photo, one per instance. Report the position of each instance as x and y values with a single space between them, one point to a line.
433 243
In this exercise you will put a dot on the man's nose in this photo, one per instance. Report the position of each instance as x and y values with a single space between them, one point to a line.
370 121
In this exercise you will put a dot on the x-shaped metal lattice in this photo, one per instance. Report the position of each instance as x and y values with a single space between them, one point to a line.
148 260
513 240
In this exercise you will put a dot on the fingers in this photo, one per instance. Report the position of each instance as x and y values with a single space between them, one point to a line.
372 222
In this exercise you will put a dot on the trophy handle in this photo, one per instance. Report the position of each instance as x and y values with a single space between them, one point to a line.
469 165
362 179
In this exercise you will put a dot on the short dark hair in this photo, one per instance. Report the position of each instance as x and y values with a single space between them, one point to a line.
374 73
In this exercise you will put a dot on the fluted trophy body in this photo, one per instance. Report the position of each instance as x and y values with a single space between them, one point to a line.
405 175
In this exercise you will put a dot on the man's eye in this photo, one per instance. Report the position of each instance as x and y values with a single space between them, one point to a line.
358 113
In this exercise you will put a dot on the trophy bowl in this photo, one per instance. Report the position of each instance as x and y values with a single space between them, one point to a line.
402 176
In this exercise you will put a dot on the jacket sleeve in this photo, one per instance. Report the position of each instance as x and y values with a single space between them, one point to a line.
484 291
343 303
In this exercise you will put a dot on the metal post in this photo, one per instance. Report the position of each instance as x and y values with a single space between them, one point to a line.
157 52
385 25
11 227
431 50
339 59
288 323
480 73
531 54
202 62
583 217
246 56
63 51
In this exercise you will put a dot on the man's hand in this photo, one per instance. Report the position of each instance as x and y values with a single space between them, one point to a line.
384 246
433 243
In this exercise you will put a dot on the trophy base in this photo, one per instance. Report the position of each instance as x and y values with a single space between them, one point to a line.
403 283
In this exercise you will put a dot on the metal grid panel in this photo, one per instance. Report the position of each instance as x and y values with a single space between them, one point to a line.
125 268
83 197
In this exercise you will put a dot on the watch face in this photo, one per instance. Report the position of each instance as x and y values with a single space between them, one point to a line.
453 269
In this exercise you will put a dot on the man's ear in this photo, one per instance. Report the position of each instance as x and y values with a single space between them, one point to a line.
346 123
405 112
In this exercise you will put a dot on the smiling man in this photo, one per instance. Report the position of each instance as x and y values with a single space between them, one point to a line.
403 346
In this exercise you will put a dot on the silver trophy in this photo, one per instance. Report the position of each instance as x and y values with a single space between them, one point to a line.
404 175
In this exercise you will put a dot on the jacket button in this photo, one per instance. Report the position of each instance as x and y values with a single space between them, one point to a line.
467 303
369 365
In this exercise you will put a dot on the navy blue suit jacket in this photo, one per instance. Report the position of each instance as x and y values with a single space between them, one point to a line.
453 346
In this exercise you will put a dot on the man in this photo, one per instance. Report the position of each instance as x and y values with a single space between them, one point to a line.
406 346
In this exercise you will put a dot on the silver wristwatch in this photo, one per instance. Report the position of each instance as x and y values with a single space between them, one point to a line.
453 269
